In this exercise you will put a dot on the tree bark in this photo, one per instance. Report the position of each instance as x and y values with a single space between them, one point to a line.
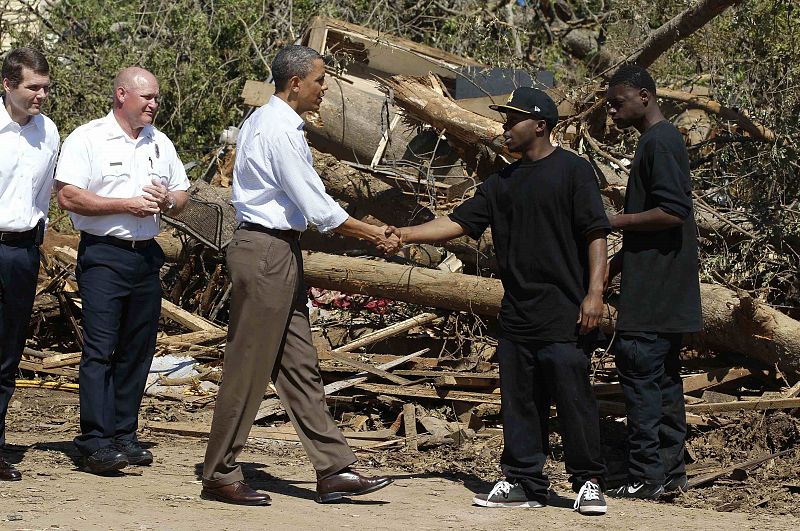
732 322
678 28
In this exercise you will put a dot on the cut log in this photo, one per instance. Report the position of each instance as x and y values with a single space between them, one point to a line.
733 323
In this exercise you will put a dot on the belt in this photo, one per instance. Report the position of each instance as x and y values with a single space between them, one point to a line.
14 237
286 234
118 242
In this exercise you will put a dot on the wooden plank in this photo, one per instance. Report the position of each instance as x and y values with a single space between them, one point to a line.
185 318
317 35
257 93
427 393
272 406
746 405
38 367
389 331
707 478
470 382
410 426
425 373
192 338
61 360
699 382
366 367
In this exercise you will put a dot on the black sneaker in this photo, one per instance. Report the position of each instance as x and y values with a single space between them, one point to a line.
505 494
135 454
676 484
590 500
106 459
643 491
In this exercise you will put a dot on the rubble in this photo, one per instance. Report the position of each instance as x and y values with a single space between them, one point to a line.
409 365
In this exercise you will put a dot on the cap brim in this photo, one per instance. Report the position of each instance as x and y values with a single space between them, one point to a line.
506 108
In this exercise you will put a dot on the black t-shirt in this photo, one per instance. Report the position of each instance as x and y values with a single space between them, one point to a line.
540 212
660 286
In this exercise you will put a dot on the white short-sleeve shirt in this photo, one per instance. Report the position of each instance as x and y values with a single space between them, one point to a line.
28 156
100 157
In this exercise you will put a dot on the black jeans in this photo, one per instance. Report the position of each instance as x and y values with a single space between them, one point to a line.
531 374
649 371
19 268
121 295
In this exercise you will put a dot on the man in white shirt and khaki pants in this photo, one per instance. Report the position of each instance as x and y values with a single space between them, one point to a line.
115 176
277 193
28 152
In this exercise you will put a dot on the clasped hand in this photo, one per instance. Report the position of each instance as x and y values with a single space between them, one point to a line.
388 240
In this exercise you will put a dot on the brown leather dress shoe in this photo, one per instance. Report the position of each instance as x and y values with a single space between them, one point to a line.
348 483
238 493
8 472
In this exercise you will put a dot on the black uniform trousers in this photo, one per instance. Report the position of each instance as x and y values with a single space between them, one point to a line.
121 299
19 269
649 372
531 376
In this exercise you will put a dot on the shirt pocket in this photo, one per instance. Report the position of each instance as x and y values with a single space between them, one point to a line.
115 178
160 171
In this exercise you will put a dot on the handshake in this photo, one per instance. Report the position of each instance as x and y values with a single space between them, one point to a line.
388 239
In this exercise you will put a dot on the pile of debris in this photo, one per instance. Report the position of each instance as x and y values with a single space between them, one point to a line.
407 344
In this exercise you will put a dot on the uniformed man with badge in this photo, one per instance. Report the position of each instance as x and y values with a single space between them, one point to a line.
116 176
28 152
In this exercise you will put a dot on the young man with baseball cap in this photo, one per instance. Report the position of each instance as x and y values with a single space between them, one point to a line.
549 231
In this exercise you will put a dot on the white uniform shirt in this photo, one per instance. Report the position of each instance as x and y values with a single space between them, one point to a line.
274 182
102 158
27 160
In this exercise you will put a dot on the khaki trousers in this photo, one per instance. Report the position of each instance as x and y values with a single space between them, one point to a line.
269 337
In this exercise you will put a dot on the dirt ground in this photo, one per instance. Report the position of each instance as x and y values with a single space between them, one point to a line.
427 494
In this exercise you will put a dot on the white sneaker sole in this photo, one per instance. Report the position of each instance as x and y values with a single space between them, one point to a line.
529 504
593 511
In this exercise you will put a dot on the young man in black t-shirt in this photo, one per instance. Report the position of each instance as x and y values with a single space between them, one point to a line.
660 288
549 231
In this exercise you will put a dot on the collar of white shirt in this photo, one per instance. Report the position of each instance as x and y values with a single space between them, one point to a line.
114 130
5 118
279 106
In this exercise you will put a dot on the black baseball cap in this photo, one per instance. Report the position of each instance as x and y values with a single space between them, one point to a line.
531 101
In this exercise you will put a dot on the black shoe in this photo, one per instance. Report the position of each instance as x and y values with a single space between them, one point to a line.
134 452
643 491
106 459
676 484
8 472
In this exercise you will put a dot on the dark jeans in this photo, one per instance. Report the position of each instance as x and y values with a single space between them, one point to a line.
531 374
121 295
649 371
19 268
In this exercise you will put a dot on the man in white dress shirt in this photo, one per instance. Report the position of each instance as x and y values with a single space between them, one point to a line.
28 152
277 193
115 176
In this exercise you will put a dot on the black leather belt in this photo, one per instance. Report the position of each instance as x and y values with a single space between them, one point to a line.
118 242
287 234
16 237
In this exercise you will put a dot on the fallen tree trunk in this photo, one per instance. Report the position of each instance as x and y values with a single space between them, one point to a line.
678 28
732 322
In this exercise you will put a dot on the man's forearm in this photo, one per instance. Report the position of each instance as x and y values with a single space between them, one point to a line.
86 203
598 253
650 220
360 230
438 230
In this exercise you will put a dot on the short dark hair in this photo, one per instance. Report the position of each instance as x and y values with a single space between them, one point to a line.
293 60
20 58
633 76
